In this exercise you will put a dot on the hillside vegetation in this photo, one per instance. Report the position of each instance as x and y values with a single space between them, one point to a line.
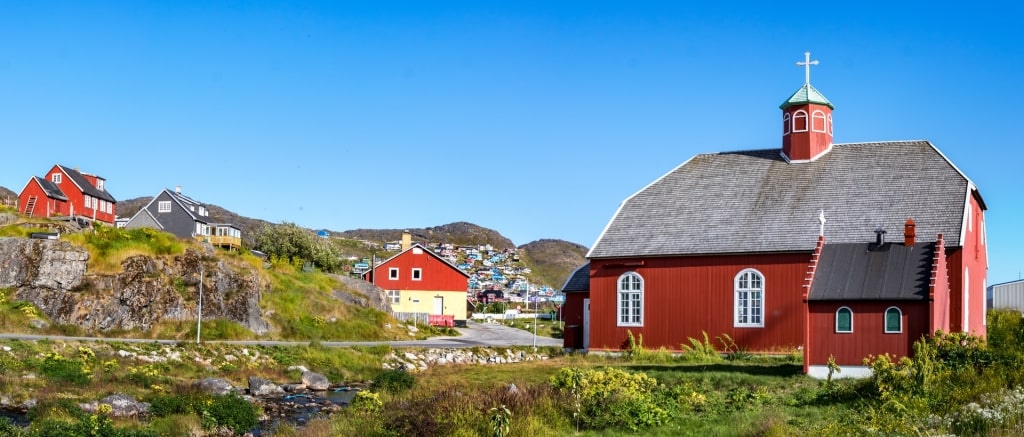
553 261
459 234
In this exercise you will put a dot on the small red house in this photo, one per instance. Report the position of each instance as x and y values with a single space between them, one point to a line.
422 286
67 192
777 248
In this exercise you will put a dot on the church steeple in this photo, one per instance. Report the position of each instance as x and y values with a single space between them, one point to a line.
806 120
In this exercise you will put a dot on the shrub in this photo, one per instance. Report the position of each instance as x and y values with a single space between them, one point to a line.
613 398
60 369
230 411
394 381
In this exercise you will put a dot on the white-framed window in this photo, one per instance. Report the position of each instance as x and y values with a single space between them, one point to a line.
56 178
818 121
417 274
88 201
967 299
163 206
893 320
103 205
800 121
749 299
394 296
110 208
829 120
393 273
630 304
786 120
99 184
844 320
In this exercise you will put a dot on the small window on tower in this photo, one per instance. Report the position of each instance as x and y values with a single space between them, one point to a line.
800 121
786 120
818 121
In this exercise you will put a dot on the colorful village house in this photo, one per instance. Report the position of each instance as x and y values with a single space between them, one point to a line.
70 193
785 248
422 286
174 212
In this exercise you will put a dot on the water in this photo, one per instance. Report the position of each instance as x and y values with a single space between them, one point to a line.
298 409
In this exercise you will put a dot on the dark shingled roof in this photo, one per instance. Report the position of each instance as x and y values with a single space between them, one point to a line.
51 189
755 201
86 187
579 280
856 272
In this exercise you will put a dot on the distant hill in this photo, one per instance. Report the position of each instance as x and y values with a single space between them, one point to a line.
8 197
552 261
249 226
458 233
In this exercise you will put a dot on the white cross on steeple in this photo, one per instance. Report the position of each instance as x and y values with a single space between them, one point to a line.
807 63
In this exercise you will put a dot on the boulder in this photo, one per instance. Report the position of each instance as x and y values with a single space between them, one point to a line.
315 381
121 405
214 386
263 387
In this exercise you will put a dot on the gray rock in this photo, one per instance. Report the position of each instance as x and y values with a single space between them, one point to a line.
38 324
315 381
293 388
122 405
263 387
214 386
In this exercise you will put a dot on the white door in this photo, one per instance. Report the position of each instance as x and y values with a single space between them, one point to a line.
438 306
586 324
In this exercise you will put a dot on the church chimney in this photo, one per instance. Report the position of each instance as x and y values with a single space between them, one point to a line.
406 240
879 237
909 233
806 121
177 189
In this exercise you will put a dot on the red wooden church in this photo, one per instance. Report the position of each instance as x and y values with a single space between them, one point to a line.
786 248
67 192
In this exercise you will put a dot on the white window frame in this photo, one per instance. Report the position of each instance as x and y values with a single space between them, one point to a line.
738 305
801 114
885 320
967 299
786 123
393 273
99 184
828 118
837 320
629 300
818 115
417 274
56 178
395 297
163 206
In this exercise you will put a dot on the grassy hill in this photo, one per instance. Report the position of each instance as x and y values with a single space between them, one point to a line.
8 197
552 261
458 233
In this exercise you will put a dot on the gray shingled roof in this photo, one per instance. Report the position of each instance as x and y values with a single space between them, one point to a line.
86 187
579 280
754 201
51 189
856 272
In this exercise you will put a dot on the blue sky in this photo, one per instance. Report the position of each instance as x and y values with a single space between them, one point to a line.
535 119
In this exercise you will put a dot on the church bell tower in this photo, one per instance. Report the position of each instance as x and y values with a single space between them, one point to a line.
806 121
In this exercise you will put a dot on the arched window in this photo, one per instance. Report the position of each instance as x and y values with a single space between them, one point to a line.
893 320
829 118
785 123
749 299
800 121
818 121
631 299
844 320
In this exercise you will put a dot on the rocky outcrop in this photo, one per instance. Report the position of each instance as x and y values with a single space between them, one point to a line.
52 275
263 387
121 405
366 294
315 381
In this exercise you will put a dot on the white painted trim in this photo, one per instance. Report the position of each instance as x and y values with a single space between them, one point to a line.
631 196
807 121
393 273
821 372
885 320
967 299
786 120
837 320
735 297
417 274
813 158
824 121
618 300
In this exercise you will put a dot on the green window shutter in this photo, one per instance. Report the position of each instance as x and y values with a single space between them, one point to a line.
844 320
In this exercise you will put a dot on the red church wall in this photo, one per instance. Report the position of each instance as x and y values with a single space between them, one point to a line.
436 274
970 260
684 296
868 336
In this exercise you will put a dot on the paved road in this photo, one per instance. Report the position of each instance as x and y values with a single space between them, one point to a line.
475 334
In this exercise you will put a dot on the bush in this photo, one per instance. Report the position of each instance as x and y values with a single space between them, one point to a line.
394 381
59 369
613 398
230 411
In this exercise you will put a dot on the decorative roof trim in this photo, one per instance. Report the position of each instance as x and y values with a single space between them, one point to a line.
425 249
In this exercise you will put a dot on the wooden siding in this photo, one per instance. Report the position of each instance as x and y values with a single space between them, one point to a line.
572 315
868 336
973 258
44 206
436 275
686 296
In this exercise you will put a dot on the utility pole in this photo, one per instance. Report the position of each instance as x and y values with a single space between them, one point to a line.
199 319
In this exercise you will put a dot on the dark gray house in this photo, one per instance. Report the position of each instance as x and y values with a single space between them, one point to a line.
185 217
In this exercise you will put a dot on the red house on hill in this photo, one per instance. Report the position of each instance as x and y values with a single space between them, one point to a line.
422 286
67 192
785 248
